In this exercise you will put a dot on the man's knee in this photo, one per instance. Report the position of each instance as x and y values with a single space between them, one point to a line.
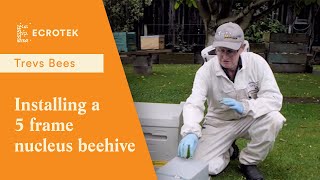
267 127
275 120
218 164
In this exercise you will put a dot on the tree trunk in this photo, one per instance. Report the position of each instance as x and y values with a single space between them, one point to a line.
209 38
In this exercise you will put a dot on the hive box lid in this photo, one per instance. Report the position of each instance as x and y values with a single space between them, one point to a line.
180 168
159 114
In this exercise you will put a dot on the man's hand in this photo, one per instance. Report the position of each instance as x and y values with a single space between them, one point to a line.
233 104
187 146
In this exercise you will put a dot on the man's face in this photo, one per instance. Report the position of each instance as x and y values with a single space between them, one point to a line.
228 58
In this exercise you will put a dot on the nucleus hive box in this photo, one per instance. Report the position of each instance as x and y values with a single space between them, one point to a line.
161 127
152 42
187 169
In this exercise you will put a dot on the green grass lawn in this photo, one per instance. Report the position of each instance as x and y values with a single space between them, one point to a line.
173 83
296 154
299 85
167 84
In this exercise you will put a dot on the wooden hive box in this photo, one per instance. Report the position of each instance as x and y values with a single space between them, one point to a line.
125 41
152 42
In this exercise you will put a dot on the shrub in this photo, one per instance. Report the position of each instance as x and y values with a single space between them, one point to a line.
254 33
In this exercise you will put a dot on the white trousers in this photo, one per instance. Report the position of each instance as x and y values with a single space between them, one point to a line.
218 136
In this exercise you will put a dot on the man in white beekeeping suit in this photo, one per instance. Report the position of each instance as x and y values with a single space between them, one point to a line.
243 101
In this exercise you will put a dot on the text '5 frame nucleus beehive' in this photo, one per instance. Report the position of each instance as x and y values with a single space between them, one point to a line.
161 127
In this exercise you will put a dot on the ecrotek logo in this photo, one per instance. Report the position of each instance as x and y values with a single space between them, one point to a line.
27 32
55 32
22 33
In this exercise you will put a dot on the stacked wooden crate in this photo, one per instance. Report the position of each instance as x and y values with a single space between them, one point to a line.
126 41
260 48
288 52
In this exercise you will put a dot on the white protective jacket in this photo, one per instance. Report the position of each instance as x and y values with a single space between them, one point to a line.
254 86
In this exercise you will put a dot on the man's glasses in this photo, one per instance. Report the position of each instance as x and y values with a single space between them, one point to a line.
228 52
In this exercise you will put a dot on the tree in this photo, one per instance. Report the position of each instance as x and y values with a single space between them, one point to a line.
217 12
123 14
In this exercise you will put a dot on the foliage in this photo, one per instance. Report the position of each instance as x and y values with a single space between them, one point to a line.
124 13
217 12
254 33
181 45
307 2
189 3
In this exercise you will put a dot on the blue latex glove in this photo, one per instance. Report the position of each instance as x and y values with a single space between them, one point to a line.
233 104
190 141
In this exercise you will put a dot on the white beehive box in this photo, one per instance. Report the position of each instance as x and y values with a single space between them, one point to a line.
161 127
187 169
152 42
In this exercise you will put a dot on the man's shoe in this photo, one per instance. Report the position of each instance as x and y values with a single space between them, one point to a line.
235 153
251 172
